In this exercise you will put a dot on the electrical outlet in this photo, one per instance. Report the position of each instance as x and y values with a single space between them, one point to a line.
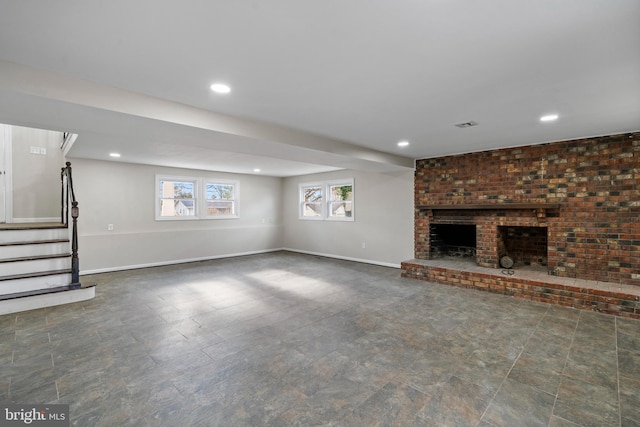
364 245
110 227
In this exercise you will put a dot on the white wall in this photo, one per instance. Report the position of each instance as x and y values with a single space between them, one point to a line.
36 177
123 194
383 219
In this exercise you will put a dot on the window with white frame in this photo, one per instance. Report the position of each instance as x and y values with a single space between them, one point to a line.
327 200
177 198
340 204
221 199
180 198
311 201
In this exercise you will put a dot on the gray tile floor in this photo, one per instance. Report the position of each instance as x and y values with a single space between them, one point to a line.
287 339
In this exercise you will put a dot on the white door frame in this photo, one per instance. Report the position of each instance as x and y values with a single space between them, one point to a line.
7 173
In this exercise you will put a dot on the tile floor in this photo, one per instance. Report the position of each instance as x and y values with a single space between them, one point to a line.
285 339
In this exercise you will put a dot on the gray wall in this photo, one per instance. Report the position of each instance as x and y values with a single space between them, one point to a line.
36 177
123 194
383 219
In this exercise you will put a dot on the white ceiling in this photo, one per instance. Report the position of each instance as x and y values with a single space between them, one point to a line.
317 85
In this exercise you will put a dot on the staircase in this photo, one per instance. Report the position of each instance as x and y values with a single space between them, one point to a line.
35 268
39 263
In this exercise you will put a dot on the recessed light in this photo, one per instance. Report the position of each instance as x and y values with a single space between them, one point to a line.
256 170
114 154
220 88
403 144
549 118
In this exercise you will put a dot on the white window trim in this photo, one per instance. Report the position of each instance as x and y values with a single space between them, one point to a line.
301 202
158 197
200 198
236 198
328 185
325 186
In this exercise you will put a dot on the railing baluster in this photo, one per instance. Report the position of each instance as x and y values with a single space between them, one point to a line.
62 203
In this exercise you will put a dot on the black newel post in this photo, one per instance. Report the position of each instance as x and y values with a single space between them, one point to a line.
75 262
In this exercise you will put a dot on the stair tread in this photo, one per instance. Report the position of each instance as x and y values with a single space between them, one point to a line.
34 258
34 242
66 288
35 274
32 226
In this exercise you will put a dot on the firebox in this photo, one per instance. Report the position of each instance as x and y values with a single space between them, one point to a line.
452 240
523 245
486 233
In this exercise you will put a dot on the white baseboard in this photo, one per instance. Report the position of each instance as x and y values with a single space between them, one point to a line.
172 262
345 258
184 261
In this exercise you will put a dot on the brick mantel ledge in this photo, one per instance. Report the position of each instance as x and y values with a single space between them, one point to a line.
604 297
489 206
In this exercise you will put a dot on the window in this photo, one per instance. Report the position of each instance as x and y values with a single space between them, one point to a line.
340 200
180 198
221 199
331 201
177 198
312 202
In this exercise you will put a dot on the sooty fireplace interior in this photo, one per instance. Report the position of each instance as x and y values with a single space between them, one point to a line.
452 240
524 245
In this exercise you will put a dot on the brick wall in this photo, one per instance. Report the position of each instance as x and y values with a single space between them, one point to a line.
593 235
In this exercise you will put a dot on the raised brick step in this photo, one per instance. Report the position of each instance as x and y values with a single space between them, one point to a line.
604 297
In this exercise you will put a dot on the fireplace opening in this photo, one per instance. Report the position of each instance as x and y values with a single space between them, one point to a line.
452 240
526 246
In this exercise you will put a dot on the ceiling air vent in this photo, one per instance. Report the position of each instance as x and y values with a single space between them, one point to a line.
466 124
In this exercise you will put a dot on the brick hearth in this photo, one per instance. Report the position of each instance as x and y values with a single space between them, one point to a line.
605 297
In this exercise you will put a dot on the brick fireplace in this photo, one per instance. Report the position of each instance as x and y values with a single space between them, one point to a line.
568 211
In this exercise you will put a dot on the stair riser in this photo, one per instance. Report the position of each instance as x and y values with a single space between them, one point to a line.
34 284
33 234
21 267
48 300
16 251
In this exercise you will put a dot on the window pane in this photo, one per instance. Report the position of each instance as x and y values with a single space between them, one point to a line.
177 189
177 198
341 201
221 199
312 209
177 207
340 209
220 192
341 192
312 194
219 207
